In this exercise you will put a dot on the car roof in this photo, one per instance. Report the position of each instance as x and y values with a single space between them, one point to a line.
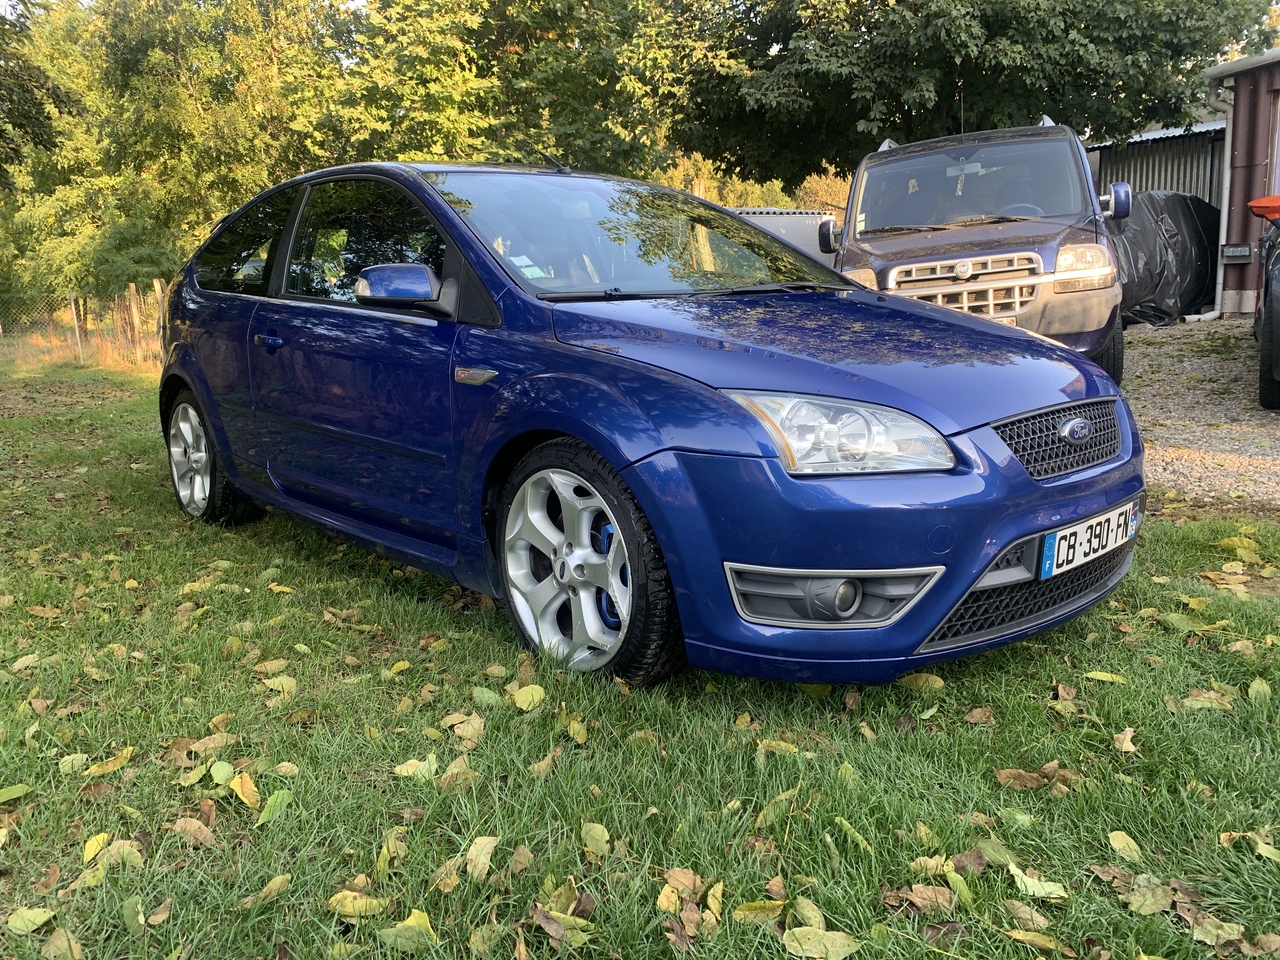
977 138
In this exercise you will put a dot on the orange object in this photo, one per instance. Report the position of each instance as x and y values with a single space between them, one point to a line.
1268 208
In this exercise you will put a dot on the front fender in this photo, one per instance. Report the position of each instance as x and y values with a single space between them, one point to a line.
626 411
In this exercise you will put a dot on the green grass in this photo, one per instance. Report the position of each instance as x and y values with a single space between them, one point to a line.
110 638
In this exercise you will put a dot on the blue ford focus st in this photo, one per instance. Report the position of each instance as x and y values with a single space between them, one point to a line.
661 434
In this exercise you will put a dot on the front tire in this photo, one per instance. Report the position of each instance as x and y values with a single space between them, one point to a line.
199 483
584 576
1111 357
1268 385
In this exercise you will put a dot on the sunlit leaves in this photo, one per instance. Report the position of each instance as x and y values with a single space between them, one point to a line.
110 766
1124 845
195 833
27 920
422 769
15 792
595 840
355 905
242 786
529 697
274 887
1259 841
759 911
61 945
564 912
1035 887
411 935
479 856
922 682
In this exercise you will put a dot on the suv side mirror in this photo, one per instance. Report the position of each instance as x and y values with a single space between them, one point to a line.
403 285
1118 202
829 236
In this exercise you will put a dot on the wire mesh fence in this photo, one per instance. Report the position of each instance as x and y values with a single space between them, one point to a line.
125 327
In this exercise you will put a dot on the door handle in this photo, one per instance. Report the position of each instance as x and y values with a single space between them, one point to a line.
270 343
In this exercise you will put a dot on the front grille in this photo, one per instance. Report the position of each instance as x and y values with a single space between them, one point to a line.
982 301
984 614
989 288
1039 446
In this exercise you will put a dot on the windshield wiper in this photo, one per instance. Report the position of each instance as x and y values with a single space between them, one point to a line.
797 286
612 293
990 218
904 228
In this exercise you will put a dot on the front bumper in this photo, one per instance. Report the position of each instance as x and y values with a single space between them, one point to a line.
709 511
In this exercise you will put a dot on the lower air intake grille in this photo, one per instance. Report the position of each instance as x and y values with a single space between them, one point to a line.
995 611
1038 442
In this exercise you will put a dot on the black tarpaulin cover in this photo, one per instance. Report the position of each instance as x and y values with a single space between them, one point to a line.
1168 256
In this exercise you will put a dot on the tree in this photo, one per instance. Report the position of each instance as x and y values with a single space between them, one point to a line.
782 88
28 98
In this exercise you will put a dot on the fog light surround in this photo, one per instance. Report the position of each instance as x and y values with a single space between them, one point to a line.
826 599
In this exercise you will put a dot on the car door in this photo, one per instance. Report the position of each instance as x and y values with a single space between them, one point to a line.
231 275
353 403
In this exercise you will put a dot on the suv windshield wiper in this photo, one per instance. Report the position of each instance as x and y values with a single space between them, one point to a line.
797 286
904 228
990 218
612 293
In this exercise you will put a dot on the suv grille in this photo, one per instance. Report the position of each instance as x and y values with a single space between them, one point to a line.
1037 441
986 287
984 614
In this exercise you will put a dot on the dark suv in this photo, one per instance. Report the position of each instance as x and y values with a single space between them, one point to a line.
1265 326
1000 224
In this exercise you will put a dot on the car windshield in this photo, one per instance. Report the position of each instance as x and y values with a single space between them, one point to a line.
570 236
970 183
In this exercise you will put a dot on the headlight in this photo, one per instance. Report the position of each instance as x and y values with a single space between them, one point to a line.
866 276
1090 259
816 435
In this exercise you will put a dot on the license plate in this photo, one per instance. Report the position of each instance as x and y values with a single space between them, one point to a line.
1067 549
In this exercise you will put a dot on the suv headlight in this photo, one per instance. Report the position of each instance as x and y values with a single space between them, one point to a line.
818 435
1090 266
865 276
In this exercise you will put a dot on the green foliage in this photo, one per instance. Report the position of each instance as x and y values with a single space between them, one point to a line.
29 97
780 89
185 109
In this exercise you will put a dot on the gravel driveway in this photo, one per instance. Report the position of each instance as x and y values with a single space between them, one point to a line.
1194 389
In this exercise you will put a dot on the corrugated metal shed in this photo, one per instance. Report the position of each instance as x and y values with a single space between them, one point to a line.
1188 162
1253 84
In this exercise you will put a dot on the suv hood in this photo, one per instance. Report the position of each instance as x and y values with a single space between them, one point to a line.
1041 235
953 371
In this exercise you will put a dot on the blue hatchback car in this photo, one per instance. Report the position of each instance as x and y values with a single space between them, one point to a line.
661 434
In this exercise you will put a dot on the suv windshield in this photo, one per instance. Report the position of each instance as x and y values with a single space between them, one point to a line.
566 236
967 183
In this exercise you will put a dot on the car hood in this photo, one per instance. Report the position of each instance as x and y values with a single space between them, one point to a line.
953 371
1041 235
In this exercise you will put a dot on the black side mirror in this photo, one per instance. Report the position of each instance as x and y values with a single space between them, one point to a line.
829 236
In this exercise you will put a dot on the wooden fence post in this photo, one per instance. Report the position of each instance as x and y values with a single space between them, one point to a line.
162 293
75 322
135 308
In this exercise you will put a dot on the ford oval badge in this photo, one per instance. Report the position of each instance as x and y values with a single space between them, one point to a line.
1075 430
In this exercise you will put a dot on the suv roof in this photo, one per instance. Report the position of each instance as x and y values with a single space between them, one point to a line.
977 138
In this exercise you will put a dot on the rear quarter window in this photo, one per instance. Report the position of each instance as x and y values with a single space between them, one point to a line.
239 258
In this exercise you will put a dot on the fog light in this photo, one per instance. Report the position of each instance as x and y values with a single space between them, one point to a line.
826 599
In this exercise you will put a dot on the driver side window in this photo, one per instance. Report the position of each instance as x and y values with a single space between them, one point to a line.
348 225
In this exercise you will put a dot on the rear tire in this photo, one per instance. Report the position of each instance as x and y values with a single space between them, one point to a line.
585 579
1111 357
1268 385
199 482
